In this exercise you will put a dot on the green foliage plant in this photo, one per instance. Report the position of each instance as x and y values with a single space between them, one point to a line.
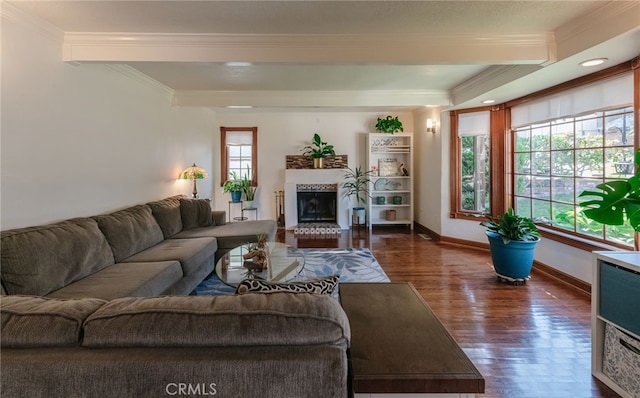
616 202
357 184
511 226
318 148
248 190
389 125
234 184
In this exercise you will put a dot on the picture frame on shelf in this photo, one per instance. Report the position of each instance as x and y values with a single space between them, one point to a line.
387 167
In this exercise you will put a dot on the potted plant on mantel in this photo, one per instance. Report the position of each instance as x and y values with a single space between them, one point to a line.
234 187
357 185
318 150
513 240
616 203
389 125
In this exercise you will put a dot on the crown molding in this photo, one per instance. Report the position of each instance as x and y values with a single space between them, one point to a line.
11 13
138 76
304 48
489 79
612 19
297 99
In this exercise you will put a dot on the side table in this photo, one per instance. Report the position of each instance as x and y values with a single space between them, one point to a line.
242 217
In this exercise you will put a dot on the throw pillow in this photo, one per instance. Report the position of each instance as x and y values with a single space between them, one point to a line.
324 285
195 213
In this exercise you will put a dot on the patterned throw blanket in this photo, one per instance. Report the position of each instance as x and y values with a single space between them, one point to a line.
352 265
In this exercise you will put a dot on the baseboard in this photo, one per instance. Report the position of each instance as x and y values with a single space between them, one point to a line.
538 267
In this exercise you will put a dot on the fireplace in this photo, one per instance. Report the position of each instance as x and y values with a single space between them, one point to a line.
317 203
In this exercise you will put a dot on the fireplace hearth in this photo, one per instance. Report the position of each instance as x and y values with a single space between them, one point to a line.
317 203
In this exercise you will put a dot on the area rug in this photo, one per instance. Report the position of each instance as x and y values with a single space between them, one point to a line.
353 265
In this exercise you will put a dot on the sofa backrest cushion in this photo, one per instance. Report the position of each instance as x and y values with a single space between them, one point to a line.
39 260
247 320
195 213
130 231
29 322
167 214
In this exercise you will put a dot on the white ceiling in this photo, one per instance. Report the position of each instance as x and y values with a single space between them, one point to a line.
347 54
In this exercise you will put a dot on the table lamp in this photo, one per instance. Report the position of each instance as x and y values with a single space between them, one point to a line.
194 173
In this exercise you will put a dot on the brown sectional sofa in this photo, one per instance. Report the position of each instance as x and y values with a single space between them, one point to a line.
95 307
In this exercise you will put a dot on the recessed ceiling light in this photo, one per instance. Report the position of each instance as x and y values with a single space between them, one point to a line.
239 106
238 63
488 101
593 62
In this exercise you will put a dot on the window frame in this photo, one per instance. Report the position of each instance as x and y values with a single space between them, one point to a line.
497 163
224 155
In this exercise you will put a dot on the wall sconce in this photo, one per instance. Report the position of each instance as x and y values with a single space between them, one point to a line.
431 126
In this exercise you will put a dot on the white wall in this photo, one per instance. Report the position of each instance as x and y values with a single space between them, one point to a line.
85 139
286 133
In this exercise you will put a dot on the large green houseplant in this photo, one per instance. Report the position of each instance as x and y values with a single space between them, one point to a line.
513 240
356 184
617 202
318 150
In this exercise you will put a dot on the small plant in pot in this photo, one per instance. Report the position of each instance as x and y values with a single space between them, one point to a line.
248 190
234 187
389 125
318 150
513 240
357 185
617 202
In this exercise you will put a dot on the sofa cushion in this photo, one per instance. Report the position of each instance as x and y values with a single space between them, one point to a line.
195 213
130 231
191 253
39 322
125 280
39 260
234 234
247 320
167 215
324 285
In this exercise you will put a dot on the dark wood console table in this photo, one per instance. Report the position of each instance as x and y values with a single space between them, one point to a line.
398 345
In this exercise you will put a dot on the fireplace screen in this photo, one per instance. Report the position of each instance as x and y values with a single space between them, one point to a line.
317 206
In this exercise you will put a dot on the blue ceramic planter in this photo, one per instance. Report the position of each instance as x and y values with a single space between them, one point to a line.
514 259
236 196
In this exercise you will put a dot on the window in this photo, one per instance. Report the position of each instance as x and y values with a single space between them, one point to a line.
473 130
239 149
555 161
478 162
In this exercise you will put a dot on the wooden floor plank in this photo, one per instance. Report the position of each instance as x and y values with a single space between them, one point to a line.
528 341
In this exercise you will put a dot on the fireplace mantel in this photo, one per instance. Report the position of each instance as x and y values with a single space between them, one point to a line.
292 177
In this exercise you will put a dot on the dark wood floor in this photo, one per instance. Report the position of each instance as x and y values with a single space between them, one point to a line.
528 341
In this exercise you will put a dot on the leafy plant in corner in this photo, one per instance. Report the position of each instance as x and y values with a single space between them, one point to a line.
318 148
511 226
357 184
617 202
234 184
389 125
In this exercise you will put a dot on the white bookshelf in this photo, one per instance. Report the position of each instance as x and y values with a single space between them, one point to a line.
386 152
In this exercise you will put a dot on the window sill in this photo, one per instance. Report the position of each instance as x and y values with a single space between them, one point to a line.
579 242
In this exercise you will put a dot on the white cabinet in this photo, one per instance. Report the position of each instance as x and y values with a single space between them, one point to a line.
615 321
391 187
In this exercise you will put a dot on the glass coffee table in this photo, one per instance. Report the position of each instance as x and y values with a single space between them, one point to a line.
285 262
